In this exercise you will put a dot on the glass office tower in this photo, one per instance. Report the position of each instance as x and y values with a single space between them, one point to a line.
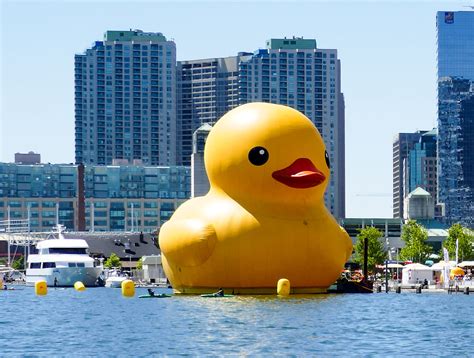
403 143
420 166
455 32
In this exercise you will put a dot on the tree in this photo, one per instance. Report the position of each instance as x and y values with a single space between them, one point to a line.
112 261
376 254
465 241
140 264
414 235
19 263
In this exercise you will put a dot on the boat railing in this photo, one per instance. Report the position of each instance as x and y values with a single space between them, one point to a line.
114 272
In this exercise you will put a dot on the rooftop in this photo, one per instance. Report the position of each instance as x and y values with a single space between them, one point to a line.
134 35
433 132
124 244
295 43
206 127
419 192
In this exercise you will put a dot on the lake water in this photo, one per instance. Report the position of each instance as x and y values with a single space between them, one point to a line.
100 322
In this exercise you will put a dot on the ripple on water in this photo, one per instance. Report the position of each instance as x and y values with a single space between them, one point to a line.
99 322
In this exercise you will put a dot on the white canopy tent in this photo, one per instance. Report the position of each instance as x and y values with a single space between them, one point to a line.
466 264
395 266
439 266
416 273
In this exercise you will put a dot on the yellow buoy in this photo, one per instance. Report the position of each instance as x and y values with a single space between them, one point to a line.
128 288
79 286
41 288
283 287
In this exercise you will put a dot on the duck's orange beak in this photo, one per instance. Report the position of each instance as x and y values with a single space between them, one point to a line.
301 174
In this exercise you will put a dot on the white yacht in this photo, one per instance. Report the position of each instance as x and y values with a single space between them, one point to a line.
62 262
114 278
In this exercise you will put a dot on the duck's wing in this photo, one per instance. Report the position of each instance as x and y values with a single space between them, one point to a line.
187 242
347 241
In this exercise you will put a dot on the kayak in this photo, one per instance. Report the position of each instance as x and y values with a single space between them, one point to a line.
213 295
159 295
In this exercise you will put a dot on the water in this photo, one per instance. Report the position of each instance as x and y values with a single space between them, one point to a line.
100 322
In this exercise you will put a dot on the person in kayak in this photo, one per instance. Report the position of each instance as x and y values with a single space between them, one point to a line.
151 292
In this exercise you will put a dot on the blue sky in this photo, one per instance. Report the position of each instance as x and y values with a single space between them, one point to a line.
387 51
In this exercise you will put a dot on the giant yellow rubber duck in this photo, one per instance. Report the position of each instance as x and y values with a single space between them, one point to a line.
264 216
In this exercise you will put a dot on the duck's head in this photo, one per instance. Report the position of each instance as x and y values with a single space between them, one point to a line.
267 154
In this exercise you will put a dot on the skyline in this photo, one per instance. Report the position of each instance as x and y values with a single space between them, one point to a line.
404 106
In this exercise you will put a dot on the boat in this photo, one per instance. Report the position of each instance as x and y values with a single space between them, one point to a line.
11 275
61 262
114 279
351 282
156 295
215 295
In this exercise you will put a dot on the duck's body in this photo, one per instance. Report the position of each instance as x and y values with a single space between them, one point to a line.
226 246
249 232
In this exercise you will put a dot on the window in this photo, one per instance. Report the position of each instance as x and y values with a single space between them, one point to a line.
49 264
35 265
76 264
68 250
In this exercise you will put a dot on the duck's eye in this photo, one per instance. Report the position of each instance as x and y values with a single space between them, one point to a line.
258 156
326 155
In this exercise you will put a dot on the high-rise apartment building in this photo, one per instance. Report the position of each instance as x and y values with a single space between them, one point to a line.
296 73
403 143
125 99
199 180
456 115
293 72
135 102
206 90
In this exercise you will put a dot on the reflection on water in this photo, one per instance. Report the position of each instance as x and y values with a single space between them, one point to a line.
101 322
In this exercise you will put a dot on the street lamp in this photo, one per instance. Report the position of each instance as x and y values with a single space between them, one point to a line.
130 264
394 250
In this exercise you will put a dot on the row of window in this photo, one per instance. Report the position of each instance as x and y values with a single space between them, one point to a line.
38 265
